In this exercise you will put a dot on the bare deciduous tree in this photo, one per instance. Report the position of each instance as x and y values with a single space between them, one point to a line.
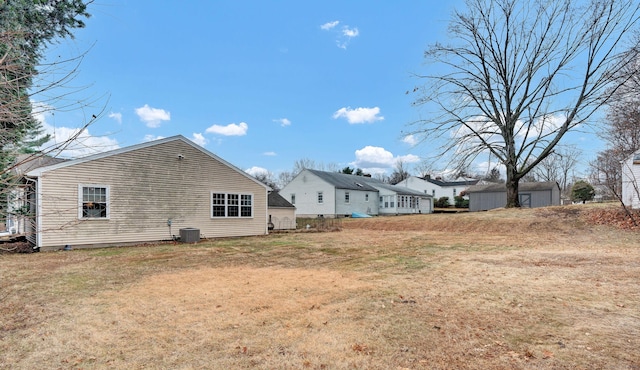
621 133
558 167
399 173
520 74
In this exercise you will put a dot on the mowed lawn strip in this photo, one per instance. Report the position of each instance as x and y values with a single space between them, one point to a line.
529 289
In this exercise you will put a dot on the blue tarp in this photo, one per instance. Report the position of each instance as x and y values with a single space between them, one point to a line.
359 215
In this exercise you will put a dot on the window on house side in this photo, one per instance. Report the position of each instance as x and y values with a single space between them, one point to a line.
218 204
231 205
320 198
246 205
94 202
346 197
366 197
293 199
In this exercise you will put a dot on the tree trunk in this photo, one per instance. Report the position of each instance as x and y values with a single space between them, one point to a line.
513 200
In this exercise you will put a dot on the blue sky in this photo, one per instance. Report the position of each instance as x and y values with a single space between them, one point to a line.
260 84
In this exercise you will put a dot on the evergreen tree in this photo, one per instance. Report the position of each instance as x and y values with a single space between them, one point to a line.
582 191
27 27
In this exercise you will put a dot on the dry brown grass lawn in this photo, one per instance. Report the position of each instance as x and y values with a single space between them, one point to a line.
528 289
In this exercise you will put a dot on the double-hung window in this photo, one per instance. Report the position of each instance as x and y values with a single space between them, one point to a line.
347 197
94 202
231 205
320 197
246 205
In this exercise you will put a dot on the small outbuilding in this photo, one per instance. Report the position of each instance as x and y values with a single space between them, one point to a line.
531 195
282 214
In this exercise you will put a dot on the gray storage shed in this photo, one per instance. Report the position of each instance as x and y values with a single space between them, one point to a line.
531 194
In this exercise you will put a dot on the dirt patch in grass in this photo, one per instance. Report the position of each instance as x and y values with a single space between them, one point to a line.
516 289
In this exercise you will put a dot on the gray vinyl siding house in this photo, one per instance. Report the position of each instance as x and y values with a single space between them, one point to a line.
144 193
531 194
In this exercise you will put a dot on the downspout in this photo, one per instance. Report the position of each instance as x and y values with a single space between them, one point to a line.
266 211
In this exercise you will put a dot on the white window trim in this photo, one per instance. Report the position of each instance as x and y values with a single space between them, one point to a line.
226 205
320 197
80 201
347 197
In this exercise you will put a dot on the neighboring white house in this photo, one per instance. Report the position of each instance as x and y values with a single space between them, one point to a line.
399 200
143 193
333 194
437 187
631 181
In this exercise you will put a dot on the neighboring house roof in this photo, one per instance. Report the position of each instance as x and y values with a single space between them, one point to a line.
277 201
354 182
636 158
344 181
450 183
525 186
27 162
400 190
37 172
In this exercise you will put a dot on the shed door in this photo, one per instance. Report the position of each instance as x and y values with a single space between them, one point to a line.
525 200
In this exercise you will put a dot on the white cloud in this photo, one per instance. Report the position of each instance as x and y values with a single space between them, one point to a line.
254 171
270 154
359 115
350 32
485 167
229 130
481 127
61 143
83 145
116 116
376 159
152 137
410 139
329 25
343 35
199 139
543 125
152 117
284 122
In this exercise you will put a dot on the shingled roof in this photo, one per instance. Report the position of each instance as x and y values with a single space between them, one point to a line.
524 186
354 182
450 183
276 200
344 181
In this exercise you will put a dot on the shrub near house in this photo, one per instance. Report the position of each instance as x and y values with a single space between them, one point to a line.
442 202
